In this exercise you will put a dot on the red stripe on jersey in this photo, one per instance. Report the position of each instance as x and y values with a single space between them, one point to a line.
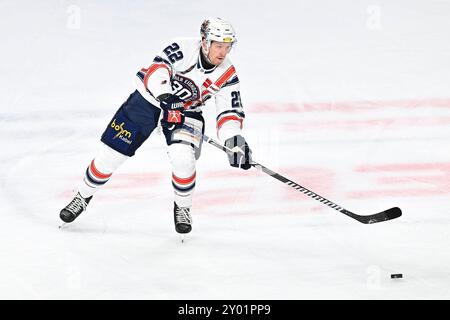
152 69
97 173
227 75
206 85
187 104
183 180
225 119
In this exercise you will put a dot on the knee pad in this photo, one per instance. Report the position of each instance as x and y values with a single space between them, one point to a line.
182 159
107 160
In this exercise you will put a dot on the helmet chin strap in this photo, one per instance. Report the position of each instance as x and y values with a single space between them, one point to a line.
205 49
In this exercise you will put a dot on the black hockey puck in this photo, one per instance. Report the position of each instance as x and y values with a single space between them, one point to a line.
396 275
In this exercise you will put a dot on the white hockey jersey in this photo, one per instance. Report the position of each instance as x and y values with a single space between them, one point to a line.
178 69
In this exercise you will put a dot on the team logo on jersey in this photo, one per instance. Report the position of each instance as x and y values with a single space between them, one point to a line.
122 133
185 88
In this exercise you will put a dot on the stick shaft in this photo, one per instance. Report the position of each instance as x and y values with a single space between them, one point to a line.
389 214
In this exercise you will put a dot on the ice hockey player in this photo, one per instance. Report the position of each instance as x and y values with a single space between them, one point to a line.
174 88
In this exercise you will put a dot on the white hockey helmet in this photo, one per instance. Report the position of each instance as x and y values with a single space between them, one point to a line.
216 29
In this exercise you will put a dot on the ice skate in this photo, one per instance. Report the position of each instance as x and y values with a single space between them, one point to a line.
182 218
74 208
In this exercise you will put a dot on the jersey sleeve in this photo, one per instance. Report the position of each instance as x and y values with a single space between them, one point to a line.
230 113
156 79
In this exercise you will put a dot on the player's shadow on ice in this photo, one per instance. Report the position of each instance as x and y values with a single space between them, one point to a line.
111 230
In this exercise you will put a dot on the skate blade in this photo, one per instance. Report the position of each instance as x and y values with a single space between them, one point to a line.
63 225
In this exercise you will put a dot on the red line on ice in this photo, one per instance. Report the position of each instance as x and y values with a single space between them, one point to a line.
418 183
354 124
348 106
442 166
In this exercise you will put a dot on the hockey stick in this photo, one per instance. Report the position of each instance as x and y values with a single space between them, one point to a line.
388 214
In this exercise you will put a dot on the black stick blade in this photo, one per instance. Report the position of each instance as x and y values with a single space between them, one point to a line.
392 213
388 214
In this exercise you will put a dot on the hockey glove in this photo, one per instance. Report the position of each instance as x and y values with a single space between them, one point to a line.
242 155
173 111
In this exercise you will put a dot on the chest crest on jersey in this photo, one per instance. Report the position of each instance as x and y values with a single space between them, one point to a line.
185 88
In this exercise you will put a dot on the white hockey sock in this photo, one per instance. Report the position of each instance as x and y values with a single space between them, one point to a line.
100 170
182 158
183 189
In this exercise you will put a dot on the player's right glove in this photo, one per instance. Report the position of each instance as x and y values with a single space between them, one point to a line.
242 155
173 111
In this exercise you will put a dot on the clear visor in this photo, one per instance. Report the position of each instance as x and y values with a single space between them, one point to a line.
226 46
219 45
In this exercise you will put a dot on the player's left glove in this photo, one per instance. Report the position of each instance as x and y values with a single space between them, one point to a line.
173 111
242 155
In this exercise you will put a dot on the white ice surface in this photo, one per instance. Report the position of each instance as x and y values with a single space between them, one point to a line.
349 98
